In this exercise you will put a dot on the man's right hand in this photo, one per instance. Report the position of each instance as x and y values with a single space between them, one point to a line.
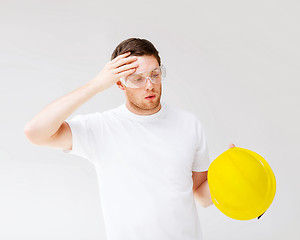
119 67
48 127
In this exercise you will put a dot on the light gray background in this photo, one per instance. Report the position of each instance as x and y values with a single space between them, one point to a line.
233 63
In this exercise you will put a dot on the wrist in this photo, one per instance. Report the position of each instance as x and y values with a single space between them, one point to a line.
95 86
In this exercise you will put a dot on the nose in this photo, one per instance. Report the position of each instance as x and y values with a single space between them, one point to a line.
149 84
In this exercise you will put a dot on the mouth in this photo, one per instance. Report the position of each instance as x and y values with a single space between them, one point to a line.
150 97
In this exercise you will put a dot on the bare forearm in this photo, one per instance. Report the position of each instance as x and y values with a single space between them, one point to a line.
46 123
49 119
202 195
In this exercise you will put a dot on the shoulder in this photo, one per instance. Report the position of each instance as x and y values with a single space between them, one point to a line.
87 116
185 120
95 117
87 120
182 114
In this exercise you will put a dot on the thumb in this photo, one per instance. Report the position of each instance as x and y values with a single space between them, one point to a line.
231 145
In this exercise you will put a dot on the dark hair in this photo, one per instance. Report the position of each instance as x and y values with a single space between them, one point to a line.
137 47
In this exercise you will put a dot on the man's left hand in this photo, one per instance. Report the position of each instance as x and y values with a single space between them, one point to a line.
231 145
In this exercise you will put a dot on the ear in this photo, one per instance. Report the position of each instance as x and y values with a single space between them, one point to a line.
120 85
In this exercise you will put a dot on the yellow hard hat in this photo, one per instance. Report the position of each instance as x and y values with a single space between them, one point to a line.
241 183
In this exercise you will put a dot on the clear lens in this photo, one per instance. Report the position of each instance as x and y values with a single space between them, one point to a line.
139 80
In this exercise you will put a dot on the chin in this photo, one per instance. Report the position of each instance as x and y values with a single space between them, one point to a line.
147 105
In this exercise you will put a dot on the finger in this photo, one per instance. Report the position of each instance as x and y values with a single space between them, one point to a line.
126 67
123 61
231 145
120 56
126 73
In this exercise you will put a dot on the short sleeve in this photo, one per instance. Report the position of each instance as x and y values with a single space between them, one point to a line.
84 130
201 159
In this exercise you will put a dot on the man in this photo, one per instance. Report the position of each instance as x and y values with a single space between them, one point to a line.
151 159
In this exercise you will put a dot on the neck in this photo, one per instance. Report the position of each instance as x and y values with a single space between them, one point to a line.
141 111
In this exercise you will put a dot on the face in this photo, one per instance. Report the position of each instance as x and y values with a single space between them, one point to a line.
136 100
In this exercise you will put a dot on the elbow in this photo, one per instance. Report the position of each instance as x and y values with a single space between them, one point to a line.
31 134
28 133
206 204
202 194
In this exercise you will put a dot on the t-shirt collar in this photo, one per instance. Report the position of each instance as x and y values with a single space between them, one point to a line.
126 112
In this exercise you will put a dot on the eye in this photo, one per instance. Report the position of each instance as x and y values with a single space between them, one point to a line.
155 75
137 79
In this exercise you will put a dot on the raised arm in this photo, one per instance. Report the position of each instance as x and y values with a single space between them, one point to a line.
48 127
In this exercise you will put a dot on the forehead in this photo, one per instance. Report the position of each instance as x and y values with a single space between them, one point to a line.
146 63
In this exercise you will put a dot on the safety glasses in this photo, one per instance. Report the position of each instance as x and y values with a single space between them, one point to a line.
139 80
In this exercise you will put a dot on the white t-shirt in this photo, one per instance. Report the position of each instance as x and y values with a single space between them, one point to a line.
144 166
